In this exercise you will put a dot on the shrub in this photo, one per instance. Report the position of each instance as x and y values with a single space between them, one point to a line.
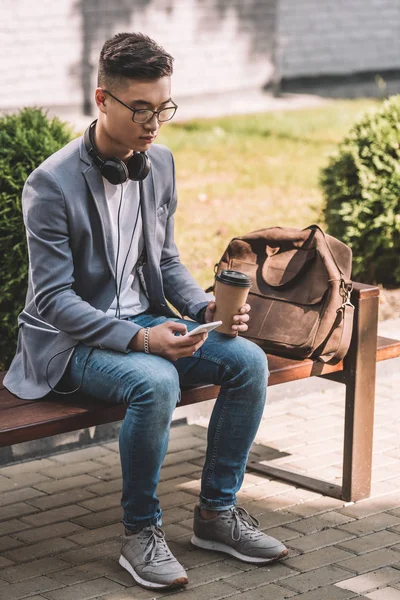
26 139
361 185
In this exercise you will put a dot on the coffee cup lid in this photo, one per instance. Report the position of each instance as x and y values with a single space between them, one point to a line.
236 278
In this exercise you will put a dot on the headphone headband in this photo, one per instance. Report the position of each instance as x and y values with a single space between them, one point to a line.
114 169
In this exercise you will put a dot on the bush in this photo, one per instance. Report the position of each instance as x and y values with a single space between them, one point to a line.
26 140
361 185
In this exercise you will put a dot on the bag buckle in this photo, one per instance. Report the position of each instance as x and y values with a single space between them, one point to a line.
345 291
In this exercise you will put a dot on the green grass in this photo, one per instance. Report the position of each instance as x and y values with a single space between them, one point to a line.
237 174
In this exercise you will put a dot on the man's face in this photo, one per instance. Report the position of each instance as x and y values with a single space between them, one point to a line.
124 134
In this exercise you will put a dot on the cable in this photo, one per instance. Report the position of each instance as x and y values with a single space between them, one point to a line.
83 372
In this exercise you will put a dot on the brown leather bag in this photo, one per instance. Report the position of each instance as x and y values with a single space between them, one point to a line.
300 294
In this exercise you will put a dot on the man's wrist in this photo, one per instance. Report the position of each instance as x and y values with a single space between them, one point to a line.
137 342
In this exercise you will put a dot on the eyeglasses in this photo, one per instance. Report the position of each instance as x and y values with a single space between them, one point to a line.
144 115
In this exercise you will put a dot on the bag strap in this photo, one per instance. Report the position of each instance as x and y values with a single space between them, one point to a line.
345 313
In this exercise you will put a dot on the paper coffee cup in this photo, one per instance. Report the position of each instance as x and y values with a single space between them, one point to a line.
231 290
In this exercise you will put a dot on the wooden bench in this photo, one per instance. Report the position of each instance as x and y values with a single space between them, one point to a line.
25 420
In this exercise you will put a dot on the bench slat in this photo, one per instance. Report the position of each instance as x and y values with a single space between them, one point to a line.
24 420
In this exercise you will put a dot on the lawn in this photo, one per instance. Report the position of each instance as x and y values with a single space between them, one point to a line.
237 174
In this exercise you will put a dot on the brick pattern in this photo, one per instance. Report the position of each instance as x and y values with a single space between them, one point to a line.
60 540
345 36
50 49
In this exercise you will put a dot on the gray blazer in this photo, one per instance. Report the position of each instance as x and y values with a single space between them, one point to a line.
71 265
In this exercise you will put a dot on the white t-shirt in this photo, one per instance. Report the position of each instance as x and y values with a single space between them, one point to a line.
132 299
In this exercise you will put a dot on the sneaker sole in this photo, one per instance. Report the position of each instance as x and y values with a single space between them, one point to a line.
149 585
218 547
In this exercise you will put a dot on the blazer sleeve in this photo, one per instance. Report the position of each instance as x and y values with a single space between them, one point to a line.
180 287
51 270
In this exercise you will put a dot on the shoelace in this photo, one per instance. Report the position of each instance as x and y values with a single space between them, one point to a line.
244 523
156 549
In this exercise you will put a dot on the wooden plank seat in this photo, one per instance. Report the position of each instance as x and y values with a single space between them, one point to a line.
25 420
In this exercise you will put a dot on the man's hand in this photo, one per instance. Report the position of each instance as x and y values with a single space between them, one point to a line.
239 321
163 342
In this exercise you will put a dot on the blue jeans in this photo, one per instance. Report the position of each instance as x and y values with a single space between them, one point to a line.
150 388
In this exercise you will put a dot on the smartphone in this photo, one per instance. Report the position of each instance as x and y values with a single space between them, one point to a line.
204 328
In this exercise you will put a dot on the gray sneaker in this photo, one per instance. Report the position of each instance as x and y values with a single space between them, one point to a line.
146 556
235 532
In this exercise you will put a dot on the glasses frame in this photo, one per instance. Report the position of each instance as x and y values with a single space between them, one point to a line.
135 110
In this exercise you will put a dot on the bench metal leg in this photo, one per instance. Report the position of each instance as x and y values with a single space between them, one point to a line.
359 378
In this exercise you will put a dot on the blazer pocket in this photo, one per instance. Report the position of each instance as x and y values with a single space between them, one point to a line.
161 210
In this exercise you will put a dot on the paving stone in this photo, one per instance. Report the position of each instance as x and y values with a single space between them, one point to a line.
283 534
8 543
318 558
19 496
43 566
318 506
29 553
328 537
329 592
62 499
370 581
372 506
93 570
84 591
49 531
372 560
373 541
108 473
176 514
275 519
78 556
5 562
65 484
95 536
14 591
183 456
318 523
316 578
384 594
372 524
27 479
29 466
70 470
261 575
92 452
106 487
213 572
185 443
177 470
175 530
100 519
266 592
175 485
176 499
12 526
109 460
102 503
53 516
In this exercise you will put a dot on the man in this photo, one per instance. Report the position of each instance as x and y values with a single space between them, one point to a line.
99 216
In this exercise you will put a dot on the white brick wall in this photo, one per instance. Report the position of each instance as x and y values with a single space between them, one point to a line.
321 37
219 45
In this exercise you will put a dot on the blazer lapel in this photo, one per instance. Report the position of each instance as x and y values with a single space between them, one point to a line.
96 187
148 207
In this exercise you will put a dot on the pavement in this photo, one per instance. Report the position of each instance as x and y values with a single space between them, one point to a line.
60 515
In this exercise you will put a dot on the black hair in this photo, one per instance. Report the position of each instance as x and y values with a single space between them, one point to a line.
133 56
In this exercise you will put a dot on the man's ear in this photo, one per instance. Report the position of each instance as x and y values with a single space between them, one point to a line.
100 99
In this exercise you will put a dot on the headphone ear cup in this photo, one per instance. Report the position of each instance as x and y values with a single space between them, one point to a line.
138 166
115 171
